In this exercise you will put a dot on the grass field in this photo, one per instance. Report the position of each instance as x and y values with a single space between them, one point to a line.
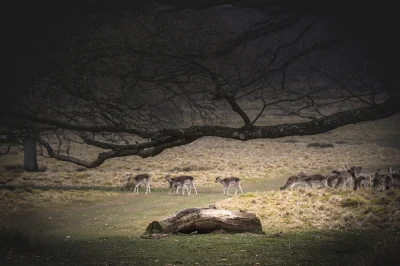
82 217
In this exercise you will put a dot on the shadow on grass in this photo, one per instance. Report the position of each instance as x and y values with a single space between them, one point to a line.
293 248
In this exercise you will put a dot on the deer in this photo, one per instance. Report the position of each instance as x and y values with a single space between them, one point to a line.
292 181
137 181
227 182
354 170
345 179
382 181
395 178
303 178
314 178
181 182
362 182
334 176
348 177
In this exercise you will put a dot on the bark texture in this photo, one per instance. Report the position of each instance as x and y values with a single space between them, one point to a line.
30 159
207 220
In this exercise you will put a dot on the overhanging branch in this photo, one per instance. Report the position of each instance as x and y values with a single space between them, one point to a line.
316 126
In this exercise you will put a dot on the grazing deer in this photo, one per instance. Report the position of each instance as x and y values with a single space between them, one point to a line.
302 178
181 182
362 182
292 181
137 181
319 179
345 179
227 182
381 181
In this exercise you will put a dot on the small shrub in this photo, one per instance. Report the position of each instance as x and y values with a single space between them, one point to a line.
352 202
16 168
398 199
382 201
189 168
341 142
320 145
43 179
248 195
28 189
82 175
391 193
43 168
291 141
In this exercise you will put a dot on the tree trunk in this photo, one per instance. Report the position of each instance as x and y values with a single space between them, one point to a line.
30 159
206 220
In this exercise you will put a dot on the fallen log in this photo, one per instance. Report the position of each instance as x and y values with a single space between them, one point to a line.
206 220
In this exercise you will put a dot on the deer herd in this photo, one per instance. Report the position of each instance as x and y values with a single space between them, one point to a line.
183 182
349 177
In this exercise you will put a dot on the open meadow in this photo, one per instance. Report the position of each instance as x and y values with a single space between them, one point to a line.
69 215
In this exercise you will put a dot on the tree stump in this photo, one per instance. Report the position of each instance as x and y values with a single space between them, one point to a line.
206 220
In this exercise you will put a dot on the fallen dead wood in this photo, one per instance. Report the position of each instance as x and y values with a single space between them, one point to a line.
206 220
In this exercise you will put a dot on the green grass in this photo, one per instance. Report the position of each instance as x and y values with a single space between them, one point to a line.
295 248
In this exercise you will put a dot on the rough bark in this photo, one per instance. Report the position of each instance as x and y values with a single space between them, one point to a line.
206 220
30 159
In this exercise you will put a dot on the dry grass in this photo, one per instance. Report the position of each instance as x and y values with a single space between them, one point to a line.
320 145
28 198
321 208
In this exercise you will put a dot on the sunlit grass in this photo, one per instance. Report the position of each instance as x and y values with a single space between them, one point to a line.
320 208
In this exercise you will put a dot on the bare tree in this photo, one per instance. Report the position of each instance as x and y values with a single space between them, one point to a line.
173 73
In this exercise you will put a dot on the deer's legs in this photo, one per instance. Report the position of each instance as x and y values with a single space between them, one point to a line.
195 190
241 191
187 189
177 190
171 188
148 188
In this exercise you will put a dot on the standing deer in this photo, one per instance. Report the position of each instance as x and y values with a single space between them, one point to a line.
395 178
181 182
348 178
345 179
381 181
137 181
227 182
354 170
362 182
334 176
